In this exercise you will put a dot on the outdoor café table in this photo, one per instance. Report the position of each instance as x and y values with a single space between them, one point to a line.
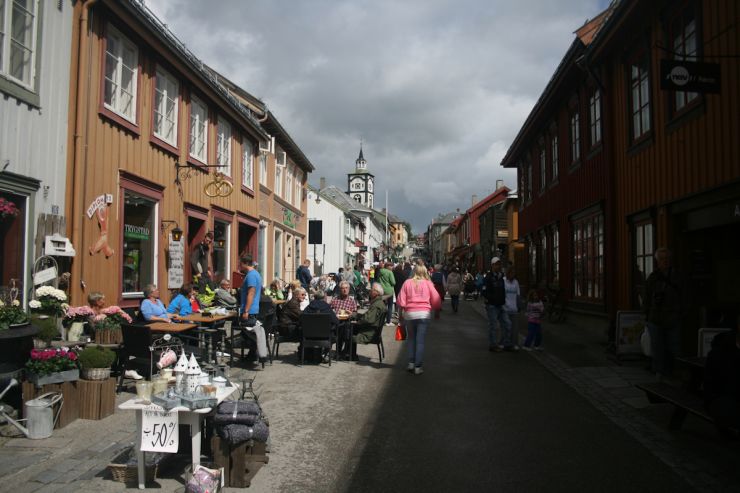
193 418
171 327
206 324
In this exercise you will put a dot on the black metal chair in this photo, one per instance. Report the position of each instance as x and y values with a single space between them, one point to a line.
283 332
377 339
316 332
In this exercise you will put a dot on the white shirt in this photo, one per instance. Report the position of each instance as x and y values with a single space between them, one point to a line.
512 293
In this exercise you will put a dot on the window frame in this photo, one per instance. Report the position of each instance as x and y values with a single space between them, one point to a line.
107 109
587 240
574 134
224 147
554 161
687 9
298 186
193 158
543 168
247 164
27 92
595 118
263 168
172 146
555 250
640 59
642 227
289 170
278 187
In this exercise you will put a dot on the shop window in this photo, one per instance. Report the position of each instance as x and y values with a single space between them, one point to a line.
643 247
139 243
12 244
221 250
532 261
588 257
278 254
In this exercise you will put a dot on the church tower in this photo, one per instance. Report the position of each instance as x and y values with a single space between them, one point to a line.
360 184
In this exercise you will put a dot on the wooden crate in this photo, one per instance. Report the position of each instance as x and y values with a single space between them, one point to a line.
240 463
97 398
70 390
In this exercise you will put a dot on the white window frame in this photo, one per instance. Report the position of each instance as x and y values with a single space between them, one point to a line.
198 130
8 42
263 168
279 181
223 147
298 186
554 157
594 109
116 79
166 100
289 184
247 164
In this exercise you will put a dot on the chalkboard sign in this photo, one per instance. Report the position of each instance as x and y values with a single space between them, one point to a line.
159 430
630 325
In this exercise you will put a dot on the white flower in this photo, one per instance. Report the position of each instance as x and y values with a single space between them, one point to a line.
16 303
34 304
65 307
2 304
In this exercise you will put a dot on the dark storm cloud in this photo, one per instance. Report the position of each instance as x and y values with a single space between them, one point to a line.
436 89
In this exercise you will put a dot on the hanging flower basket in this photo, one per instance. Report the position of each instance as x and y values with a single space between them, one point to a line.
8 209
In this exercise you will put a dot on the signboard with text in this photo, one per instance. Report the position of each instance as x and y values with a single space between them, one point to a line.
680 75
176 268
159 430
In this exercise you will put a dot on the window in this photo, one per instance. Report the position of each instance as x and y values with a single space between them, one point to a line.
529 181
554 157
198 130
165 107
575 137
18 31
223 147
13 243
542 257
247 164
289 184
639 96
642 260
139 242
555 261
277 253
298 187
278 180
685 47
263 168
221 250
532 260
588 250
121 74
594 113
543 169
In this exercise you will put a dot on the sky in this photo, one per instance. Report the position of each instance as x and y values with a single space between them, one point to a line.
436 90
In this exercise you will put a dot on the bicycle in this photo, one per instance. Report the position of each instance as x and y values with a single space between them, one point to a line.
554 304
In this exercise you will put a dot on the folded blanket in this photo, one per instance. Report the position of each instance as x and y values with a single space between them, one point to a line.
242 407
237 434
239 419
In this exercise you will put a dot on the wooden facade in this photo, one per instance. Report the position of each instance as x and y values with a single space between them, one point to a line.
117 156
667 171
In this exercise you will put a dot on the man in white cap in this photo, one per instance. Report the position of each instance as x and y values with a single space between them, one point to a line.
494 293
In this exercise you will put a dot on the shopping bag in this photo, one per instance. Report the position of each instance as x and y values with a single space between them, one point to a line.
400 333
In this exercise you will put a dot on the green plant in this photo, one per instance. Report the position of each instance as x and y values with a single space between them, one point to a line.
47 327
11 314
47 361
49 301
96 357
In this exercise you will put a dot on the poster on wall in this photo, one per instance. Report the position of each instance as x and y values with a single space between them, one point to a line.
99 207
176 269
630 325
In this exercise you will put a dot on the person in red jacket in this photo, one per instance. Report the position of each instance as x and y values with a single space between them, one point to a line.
417 299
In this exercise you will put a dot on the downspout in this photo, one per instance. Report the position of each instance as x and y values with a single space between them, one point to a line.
80 145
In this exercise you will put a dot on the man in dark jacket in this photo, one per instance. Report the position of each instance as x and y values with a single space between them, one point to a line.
494 294
304 275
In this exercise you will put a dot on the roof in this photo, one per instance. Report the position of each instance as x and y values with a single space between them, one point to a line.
494 198
273 126
344 201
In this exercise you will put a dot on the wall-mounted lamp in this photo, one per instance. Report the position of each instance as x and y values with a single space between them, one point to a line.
220 242
318 198
176 231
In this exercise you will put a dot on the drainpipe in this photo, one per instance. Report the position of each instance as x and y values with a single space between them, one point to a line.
79 148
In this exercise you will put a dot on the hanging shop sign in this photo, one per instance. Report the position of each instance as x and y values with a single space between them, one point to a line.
289 218
679 75
176 269
99 207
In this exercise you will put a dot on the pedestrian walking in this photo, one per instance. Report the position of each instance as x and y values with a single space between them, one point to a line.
510 339
386 279
494 294
417 299
305 275
440 284
535 309
454 288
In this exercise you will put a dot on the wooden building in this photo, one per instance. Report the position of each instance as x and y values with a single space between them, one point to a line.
613 163
149 127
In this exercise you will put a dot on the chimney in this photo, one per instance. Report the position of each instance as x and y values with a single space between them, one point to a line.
474 200
322 183
499 184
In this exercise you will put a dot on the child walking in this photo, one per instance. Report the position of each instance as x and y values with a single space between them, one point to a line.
535 309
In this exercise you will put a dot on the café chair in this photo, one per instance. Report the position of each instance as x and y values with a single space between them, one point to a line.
377 339
135 353
316 332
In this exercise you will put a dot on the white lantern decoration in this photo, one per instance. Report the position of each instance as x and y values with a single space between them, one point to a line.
192 375
180 368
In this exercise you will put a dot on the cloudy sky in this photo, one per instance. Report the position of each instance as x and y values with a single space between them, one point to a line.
436 89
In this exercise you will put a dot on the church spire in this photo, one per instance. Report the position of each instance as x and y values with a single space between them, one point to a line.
360 163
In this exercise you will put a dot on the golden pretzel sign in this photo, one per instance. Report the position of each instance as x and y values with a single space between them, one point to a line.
218 187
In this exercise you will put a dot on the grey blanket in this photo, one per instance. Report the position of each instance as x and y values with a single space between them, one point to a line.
239 419
237 434
242 407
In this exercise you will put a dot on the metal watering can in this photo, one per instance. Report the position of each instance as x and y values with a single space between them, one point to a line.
39 413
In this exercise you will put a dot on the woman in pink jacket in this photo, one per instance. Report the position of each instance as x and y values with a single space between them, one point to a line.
418 299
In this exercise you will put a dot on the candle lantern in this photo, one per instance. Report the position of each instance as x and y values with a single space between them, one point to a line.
180 368
192 375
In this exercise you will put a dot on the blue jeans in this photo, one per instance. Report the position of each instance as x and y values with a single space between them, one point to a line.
497 314
665 345
416 331
389 313
534 335
455 301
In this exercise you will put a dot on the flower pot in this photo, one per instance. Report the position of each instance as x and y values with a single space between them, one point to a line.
40 343
57 377
108 336
95 373
75 331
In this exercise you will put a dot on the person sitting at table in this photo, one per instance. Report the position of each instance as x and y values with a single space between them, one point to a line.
319 305
368 322
96 300
152 308
181 305
275 291
292 286
223 295
722 382
343 302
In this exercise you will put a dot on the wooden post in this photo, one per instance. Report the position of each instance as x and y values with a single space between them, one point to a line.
97 398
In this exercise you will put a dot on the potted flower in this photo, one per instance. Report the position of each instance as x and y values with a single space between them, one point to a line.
49 305
107 325
95 362
8 208
52 365
12 314
75 320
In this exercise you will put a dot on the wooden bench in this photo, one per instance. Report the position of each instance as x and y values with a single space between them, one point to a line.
684 402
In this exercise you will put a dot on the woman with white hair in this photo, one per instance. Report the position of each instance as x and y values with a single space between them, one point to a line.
418 299
369 322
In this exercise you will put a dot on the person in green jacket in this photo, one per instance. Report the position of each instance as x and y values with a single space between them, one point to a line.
386 279
368 322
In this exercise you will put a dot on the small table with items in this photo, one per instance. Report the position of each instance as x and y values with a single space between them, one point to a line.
186 416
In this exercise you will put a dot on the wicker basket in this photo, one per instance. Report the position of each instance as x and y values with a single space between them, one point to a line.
124 471
95 373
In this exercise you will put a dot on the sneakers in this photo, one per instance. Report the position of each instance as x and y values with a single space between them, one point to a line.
410 366
418 370
132 374
526 348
